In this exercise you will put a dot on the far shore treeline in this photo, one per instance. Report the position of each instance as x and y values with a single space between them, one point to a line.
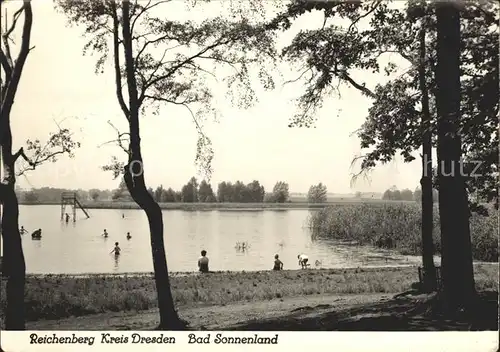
226 192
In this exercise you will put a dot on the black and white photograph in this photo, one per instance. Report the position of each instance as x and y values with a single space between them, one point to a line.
197 173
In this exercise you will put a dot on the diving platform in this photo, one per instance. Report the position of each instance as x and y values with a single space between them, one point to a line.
70 198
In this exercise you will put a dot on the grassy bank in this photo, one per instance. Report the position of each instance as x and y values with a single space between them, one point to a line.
59 296
398 226
217 206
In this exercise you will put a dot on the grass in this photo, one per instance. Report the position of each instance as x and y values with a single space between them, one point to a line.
59 296
401 223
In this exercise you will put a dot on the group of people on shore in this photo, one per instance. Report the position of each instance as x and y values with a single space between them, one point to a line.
278 264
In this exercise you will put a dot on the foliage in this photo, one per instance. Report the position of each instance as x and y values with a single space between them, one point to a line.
317 193
240 193
280 193
189 192
206 193
175 60
334 52
31 197
121 193
94 194
395 194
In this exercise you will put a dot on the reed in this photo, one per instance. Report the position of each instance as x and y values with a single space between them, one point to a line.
373 224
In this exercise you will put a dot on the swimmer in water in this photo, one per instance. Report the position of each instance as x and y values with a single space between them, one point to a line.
105 234
128 236
37 234
116 250
22 230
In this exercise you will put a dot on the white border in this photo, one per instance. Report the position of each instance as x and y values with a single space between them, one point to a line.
487 341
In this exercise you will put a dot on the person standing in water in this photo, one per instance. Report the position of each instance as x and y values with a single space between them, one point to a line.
128 236
203 262
116 250
303 259
67 217
105 234
278 264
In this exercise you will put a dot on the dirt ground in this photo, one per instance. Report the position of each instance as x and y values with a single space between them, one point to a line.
368 312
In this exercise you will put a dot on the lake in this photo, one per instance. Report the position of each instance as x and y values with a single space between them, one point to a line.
80 247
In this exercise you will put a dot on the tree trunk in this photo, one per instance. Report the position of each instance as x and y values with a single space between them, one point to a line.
456 262
14 266
429 272
134 178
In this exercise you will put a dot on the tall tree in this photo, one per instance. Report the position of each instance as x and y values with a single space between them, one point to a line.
334 52
457 269
205 192
429 273
256 191
14 266
281 192
317 193
177 76
190 191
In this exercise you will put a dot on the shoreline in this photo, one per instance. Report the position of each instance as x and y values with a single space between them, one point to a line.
171 274
84 303
221 206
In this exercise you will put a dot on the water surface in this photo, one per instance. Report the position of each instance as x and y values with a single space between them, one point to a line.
80 247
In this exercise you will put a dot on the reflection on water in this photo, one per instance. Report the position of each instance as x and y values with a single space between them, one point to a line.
117 260
80 247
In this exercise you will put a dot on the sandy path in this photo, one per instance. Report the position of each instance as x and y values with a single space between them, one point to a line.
210 317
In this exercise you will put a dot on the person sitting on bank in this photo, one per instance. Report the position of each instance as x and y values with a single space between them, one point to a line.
278 264
128 236
105 234
203 262
303 259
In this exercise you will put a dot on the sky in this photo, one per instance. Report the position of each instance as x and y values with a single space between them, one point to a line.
59 85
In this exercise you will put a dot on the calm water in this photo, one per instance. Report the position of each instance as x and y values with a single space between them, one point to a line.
80 248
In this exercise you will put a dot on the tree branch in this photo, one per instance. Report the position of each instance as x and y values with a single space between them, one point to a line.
372 8
7 34
358 86
120 139
33 164
5 65
116 55
179 65
362 173
145 9
11 89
